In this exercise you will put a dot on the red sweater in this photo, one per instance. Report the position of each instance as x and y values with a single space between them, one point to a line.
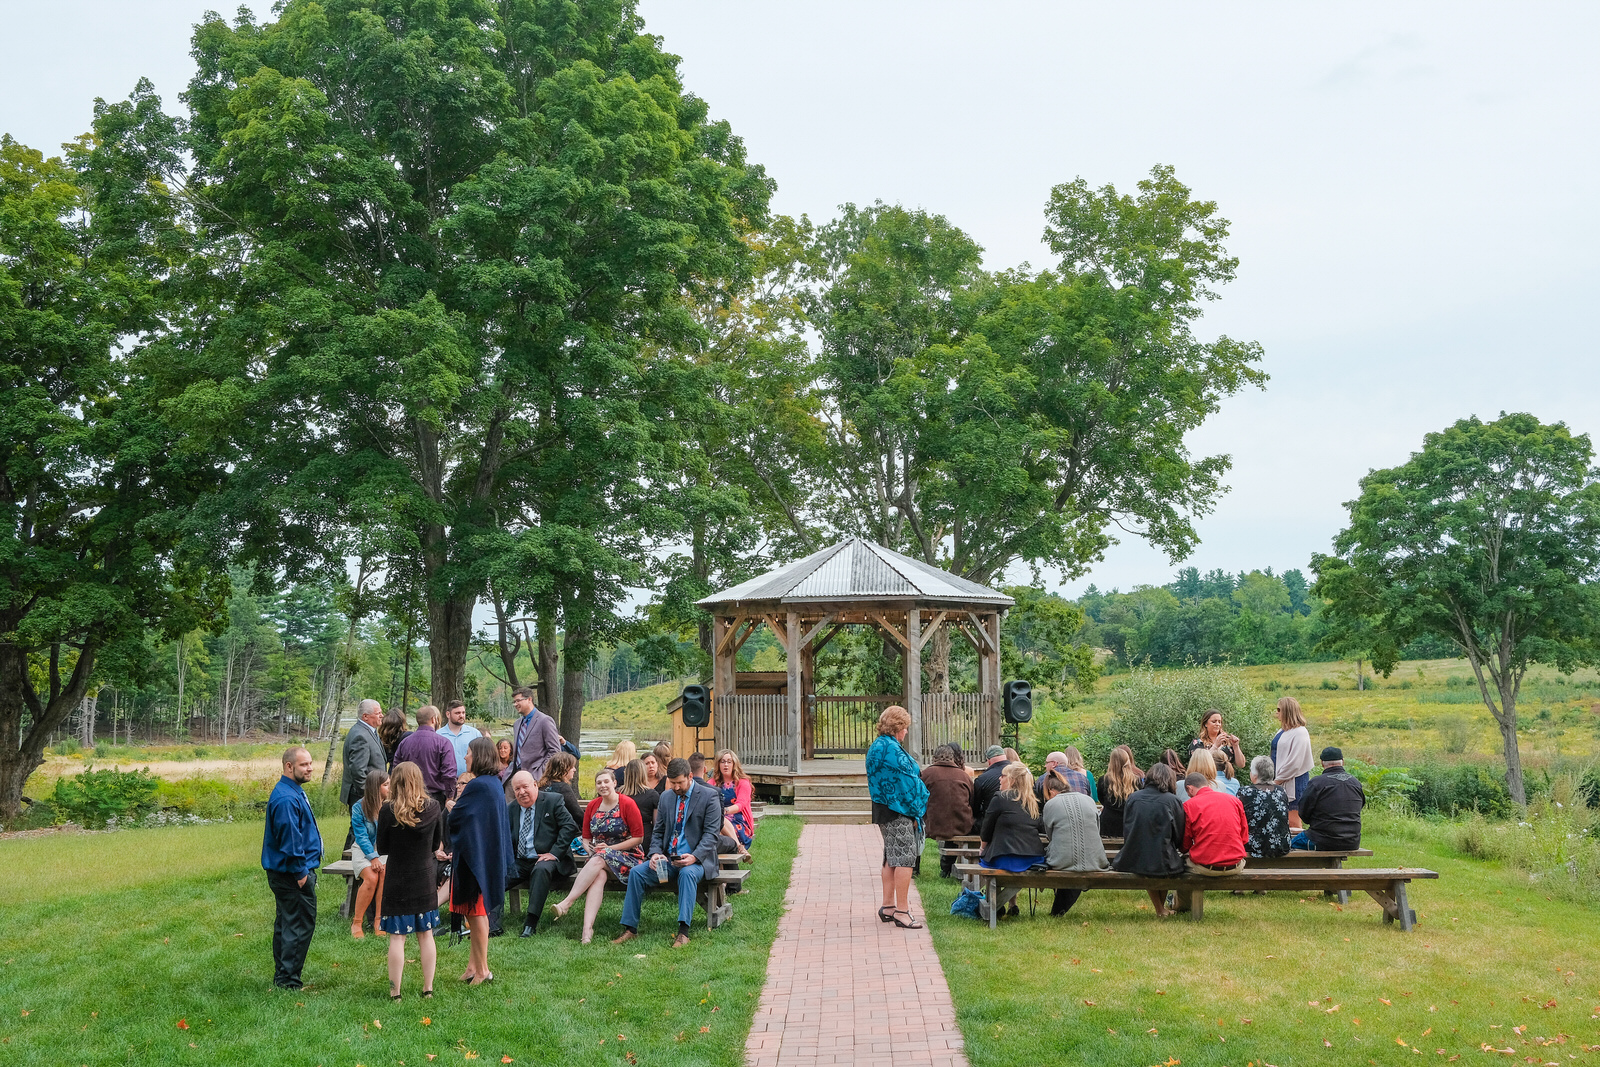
629 811
1215 830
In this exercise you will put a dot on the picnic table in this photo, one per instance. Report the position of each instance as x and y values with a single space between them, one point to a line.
1386 885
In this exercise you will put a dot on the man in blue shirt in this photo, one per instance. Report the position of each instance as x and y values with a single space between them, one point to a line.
291 853
458 733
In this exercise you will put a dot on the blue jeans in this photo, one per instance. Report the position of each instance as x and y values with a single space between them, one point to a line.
1302 840
685 879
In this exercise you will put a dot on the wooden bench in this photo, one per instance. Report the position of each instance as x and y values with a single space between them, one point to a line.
347 870
1293 859
1385 885
712 895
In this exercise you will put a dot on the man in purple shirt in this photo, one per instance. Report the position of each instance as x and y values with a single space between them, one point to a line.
433 754
537 738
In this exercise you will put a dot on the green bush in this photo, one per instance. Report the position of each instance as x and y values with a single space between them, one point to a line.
101 750
1391 787
1456 733
36 816
94 796
1155 711
67 746
1556 843
1459 789
1329 683
211 798
1589 787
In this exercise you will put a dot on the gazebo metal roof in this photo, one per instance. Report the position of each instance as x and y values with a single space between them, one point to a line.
857 570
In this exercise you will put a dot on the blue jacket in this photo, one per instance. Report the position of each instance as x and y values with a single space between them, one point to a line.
363 831
702 822
480 837
291 843
894 779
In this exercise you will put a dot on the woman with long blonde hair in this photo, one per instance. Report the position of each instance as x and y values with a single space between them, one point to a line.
410 833
620 756
1200 762
1123 778
1291 755
1009 838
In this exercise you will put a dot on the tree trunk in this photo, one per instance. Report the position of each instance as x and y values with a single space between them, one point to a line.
507 639
449 632
21 752
549 664
938 662
405 676
571 723
1507 721
1361 681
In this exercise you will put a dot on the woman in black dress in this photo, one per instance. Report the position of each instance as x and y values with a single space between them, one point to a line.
1152 833
1122 777
411 834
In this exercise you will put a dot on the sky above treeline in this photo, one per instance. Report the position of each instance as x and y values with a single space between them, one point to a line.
1411 187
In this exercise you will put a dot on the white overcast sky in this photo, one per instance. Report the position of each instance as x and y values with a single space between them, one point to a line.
1412 187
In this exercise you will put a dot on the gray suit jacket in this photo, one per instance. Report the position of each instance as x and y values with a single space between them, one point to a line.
701 825
363 753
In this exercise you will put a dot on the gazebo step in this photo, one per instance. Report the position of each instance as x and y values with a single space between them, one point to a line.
807 805
835 818
808 789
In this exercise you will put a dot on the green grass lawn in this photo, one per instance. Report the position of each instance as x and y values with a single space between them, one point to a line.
112 940
1282 979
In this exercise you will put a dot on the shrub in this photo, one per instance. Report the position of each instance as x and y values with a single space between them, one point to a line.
210 798
101 750
1456 732
67 746
1460 789
1391 787
1556 843
1589 787
1329 683
1155 711
94 796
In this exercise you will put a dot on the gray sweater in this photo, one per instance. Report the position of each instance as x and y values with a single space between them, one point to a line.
1073 827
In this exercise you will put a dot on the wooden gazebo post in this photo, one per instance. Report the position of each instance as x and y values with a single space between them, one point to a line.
911 687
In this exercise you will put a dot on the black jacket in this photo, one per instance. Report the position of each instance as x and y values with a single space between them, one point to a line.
569 795
1331 808
1152 834
984 787
1009 830
553 832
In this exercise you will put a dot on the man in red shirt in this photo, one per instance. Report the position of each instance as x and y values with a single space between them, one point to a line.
1215 830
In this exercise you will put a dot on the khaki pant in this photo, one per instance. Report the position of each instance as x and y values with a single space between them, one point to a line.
1195 868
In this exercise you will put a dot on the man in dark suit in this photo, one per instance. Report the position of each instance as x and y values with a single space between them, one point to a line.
541 842
684 837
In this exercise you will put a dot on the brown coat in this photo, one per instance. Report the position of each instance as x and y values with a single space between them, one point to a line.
949 802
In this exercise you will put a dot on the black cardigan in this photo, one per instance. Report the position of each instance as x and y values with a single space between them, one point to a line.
411 879
569 795
1008 830
1152 834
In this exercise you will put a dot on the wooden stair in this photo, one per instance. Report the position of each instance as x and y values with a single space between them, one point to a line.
833 798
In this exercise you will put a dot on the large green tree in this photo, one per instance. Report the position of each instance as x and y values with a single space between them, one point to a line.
1489 538
467 224
978 420
106 446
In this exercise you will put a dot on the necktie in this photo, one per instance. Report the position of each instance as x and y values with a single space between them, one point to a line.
522 735
527 833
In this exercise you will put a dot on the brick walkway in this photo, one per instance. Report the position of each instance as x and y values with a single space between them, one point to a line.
842 987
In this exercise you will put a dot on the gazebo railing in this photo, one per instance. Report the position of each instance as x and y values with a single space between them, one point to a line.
756 727
842 726
955 717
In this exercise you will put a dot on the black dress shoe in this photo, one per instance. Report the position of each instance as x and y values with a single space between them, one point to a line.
528 930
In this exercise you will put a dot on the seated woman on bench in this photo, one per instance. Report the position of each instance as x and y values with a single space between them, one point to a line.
1072 827
1009 838
613 835
1152 833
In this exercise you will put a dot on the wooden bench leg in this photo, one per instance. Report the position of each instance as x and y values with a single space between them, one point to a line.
348 908
1197 905
1408 918
718 910
1183 899
993 896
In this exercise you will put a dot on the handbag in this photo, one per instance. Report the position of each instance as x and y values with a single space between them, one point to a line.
969 903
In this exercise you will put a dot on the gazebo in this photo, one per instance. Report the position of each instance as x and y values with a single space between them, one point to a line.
778 723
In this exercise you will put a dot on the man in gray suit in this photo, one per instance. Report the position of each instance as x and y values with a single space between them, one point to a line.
688 820
363 753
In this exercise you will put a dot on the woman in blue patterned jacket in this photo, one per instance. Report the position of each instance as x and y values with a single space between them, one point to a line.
899 801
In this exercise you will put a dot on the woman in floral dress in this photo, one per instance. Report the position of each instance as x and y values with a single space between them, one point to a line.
613 838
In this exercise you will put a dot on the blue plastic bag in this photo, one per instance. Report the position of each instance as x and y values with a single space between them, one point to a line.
969 903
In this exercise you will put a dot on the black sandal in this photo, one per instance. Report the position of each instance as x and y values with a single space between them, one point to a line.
886 913
912 925
394 996
427 994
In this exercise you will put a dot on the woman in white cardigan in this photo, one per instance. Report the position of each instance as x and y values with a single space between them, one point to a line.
1291 755
1071 824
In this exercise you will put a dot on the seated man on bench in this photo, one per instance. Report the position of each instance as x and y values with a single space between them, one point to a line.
1331 807
683 850
1215 831
541 843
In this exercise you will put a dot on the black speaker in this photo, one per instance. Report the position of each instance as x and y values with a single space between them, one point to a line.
1017 697
696 706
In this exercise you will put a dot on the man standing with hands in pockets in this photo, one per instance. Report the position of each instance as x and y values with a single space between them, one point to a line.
291 853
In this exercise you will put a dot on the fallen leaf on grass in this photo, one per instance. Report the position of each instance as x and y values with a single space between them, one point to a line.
1151 1030
1090 1003
377 1024
1161 992
705 1029
506 1059
1330 1011
426 1021
433 1055
1400 1041
183 1024
1549 1003
1383 1001
1326 1043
